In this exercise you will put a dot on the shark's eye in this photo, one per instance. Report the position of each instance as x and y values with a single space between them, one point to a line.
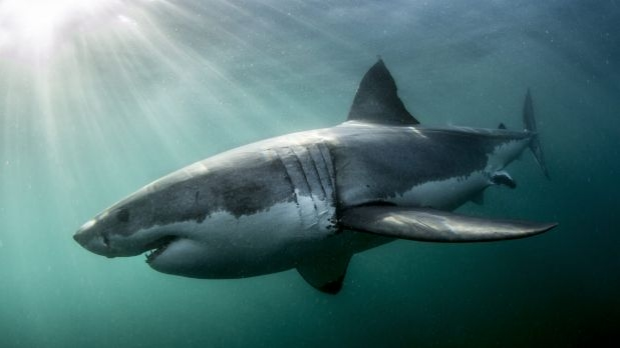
122 215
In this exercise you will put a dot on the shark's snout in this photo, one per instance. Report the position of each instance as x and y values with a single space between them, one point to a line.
79 237
82 234
88 238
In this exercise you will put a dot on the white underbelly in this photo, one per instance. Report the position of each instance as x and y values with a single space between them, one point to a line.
226 246
444 194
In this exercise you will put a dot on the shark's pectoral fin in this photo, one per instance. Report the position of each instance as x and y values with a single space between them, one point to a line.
435 225
325 272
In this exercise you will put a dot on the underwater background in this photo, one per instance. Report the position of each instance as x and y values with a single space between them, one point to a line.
98 98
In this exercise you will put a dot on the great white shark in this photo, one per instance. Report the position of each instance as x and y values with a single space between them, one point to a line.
311 200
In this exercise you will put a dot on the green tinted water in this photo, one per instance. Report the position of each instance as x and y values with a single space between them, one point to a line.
117 98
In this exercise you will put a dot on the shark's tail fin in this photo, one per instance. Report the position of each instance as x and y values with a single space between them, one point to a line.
530 126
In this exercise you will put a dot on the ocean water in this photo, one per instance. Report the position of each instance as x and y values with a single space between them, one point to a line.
98 98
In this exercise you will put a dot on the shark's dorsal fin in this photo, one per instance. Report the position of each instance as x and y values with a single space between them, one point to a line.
376 100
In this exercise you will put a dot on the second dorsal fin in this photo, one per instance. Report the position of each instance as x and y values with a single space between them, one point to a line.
376 100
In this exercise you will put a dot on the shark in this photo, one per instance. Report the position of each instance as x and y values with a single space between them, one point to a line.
311 200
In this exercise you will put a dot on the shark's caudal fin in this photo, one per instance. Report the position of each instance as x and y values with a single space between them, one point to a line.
529 123
432 225
376 100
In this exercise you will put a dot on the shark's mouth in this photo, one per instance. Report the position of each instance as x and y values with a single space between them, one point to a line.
157 247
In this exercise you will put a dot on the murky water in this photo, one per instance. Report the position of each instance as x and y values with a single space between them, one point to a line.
99 98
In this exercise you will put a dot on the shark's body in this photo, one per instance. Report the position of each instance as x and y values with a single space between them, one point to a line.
311 200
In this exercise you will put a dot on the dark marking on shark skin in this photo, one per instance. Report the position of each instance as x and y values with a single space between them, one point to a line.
244 189
254 184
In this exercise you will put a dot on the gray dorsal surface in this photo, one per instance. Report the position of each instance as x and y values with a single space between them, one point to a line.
377 101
